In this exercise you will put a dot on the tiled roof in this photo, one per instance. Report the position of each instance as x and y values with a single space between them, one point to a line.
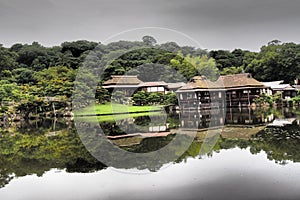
123 80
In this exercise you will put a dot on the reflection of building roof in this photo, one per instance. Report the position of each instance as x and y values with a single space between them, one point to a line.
277 85
152 84
239 80
123 80
282 122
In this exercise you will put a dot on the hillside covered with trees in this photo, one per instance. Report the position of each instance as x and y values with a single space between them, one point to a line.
31 72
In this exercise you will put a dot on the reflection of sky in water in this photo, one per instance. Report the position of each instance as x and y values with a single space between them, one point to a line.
230 174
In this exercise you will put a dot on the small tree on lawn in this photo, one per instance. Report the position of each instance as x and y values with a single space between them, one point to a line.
140 98
102 95
171 98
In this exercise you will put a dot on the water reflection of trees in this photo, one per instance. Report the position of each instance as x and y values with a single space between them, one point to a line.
280 143
29 149
23 154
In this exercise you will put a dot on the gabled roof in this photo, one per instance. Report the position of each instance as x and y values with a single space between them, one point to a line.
123 80
273 84
239 80
224 82
201 82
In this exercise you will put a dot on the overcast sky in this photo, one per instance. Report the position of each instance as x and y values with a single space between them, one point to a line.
215 24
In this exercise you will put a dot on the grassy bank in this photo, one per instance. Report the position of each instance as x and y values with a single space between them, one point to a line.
106 109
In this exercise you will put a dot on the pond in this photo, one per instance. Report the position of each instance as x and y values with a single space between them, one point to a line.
232 154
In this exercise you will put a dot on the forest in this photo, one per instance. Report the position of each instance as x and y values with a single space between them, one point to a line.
31 72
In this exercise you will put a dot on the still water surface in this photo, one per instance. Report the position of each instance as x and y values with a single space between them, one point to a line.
251 160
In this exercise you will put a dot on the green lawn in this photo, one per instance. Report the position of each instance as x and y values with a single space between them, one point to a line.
115 109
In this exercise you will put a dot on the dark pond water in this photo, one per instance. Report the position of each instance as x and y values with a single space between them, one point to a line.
252 157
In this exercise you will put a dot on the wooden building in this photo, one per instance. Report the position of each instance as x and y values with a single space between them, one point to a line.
126 84
130 84
201 93
156 86
231 90
241 89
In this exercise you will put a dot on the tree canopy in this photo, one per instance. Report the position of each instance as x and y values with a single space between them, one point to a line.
50 71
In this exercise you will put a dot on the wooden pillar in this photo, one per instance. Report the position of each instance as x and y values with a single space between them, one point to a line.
249 114
230 100
248 97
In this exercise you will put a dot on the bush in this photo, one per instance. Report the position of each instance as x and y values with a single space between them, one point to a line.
171 98
295 99
155 98
264 99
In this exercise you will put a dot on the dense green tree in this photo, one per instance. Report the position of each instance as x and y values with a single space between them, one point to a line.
171 47
171 98
205 66
24 76
10 91
191 66
231 70
276 61
29 53
149 40
55 81
78 47
140 98
7 60
223 58
102 95
155 98
183 66
227 59
32 70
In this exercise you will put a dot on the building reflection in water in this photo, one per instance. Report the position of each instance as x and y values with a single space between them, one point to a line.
195 120
214 118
